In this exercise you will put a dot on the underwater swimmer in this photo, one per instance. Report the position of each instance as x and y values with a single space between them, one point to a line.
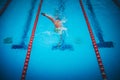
58 27
57 22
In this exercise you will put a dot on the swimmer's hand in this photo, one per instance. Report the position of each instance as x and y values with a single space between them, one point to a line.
43 14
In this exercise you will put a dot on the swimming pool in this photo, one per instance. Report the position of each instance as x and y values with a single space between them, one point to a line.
76 58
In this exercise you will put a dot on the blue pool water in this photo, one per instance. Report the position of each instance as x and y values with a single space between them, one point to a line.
76 59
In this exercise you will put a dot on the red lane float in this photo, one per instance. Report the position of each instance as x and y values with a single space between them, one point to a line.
30 43
94 44
4 7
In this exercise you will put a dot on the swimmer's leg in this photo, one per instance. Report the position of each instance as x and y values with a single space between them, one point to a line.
61 42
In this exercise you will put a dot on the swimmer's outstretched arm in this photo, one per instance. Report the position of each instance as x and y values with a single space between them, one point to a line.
49 17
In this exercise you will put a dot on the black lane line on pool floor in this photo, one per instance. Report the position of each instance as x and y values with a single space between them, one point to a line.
30 43
98 31
22 44
101 66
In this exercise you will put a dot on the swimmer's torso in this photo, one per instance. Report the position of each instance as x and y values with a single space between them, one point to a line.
57 23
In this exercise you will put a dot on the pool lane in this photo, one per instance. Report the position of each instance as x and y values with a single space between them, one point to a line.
12 26
46 63
109 24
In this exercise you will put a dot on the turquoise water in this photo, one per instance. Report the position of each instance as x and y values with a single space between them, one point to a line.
16 23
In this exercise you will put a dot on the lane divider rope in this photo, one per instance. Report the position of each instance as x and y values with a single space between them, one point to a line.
30 43
101 66
4 7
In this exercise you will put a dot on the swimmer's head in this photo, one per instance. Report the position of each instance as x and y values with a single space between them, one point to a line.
57 18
